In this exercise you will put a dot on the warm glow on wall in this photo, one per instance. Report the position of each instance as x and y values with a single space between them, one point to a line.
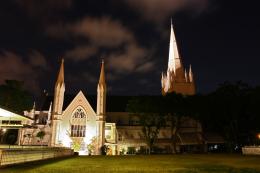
258 136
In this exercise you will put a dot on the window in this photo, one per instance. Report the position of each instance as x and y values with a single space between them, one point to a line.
79 113
108 128
120 138
78 130
78 122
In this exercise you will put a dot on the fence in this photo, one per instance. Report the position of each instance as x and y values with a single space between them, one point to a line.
15 156
251 150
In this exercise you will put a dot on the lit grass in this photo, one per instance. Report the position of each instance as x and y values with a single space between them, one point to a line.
214 163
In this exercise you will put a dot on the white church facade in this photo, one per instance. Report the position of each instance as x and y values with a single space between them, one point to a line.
78 125
88 126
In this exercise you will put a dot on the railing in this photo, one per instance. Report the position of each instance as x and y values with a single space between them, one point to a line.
23 146
15 156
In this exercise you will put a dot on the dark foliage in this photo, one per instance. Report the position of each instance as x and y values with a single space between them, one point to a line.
14 97
231 111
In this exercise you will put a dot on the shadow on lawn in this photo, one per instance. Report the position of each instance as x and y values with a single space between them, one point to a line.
34 164
221 169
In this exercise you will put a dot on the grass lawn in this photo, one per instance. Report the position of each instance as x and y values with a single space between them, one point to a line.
216 163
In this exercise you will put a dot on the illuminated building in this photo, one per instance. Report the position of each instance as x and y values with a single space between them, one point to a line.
72 121
177 79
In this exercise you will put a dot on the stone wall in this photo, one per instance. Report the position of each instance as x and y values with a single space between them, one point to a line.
15 156
251 150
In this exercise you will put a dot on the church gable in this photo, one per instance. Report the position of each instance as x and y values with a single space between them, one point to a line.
79 101
78 123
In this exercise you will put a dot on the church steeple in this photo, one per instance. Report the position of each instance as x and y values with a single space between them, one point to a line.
102 80
176 79
59 90
60 79
174 61
57 106
101 109
101 91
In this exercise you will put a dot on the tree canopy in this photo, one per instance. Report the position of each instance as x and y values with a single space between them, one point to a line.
14 97
232 111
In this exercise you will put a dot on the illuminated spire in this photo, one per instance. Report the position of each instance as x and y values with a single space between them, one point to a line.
60 78
186 76
102 80
174 58
59 90
190 74
34 105
49 114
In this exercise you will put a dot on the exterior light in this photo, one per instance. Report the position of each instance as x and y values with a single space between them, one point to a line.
258 136
4 130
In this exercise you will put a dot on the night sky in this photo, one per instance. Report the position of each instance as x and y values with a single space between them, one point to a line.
219 38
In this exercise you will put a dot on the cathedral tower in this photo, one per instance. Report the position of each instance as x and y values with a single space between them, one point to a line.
176 78
101 109
58 104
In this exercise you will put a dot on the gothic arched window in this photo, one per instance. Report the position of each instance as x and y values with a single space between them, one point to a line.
78 122
78 130
79 113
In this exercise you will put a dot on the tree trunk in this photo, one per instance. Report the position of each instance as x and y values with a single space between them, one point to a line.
174 131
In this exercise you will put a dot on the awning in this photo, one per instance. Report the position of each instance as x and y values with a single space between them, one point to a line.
189 139
12 118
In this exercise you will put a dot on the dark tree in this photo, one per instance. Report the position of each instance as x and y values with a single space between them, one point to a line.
226 112
150 114
14 97
174 108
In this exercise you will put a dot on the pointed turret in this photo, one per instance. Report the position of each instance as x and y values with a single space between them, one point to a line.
57 106
101 91
186 76
60 79
59 90
171 59
174 61
102 80
49 114
101 109
162 80
191 75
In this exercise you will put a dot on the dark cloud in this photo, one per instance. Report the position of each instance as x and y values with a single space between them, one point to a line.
44 12
39 7
146 67
100 33
128 60
13 66
133 38
37 59
159 10
81 52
